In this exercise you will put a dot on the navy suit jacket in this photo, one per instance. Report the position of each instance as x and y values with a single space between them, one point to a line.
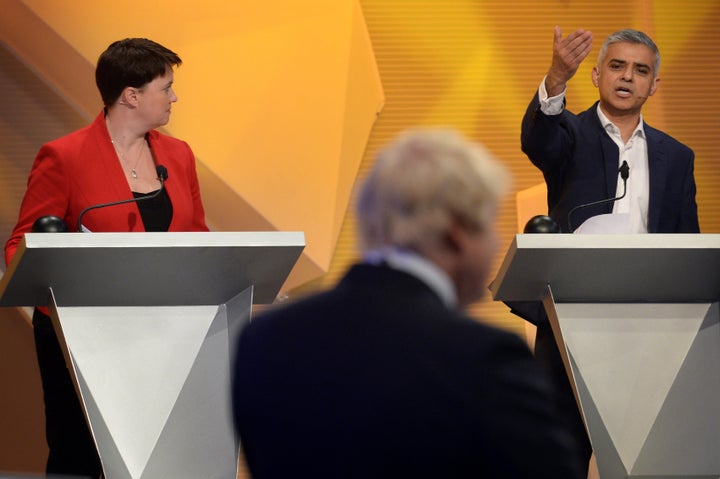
580 164
378 378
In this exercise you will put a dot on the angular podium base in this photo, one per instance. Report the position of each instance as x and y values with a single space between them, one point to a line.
155 385
647 378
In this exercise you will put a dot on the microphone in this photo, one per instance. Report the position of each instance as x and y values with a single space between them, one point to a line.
541 224
49 224
162 176
624 174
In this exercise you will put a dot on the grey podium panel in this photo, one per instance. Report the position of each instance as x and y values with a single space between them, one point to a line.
637 322
599 268
155 385
148 325
647 377
148 269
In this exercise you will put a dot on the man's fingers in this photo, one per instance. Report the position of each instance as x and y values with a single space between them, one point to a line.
576 46
581 41
576 34
568 53
584 52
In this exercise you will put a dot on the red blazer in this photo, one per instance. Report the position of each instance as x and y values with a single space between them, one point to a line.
82 169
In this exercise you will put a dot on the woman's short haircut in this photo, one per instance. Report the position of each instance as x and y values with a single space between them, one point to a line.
132 62
421 183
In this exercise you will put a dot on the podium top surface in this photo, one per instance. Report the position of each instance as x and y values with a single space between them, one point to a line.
611 268
148 269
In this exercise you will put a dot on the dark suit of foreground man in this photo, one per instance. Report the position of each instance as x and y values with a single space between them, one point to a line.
384 375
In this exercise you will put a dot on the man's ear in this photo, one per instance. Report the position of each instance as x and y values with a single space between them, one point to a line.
455 236
595 76
654 86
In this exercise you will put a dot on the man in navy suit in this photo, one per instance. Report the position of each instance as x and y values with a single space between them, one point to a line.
581 156
384 376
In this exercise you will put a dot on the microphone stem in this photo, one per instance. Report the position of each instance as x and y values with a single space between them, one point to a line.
122 202
570 228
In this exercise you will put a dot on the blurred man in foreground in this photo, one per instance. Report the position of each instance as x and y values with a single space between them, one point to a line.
384 375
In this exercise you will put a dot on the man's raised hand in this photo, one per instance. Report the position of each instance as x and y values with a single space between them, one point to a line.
568 54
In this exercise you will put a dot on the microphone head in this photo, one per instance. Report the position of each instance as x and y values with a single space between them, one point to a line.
625 170
541 224
49 224
161 172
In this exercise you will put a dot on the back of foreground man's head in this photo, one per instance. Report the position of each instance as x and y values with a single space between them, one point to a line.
421 183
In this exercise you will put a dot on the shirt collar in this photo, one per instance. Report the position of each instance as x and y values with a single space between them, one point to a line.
415 265
612 129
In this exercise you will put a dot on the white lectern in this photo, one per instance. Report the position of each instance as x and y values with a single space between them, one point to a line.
637 323
148 322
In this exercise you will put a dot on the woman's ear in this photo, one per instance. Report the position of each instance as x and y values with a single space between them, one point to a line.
129 96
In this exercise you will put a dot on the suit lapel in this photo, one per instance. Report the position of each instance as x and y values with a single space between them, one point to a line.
611 159
109 169
608 153
161 157
658 171
106 157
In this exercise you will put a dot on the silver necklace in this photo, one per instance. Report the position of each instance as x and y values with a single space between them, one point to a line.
133 173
